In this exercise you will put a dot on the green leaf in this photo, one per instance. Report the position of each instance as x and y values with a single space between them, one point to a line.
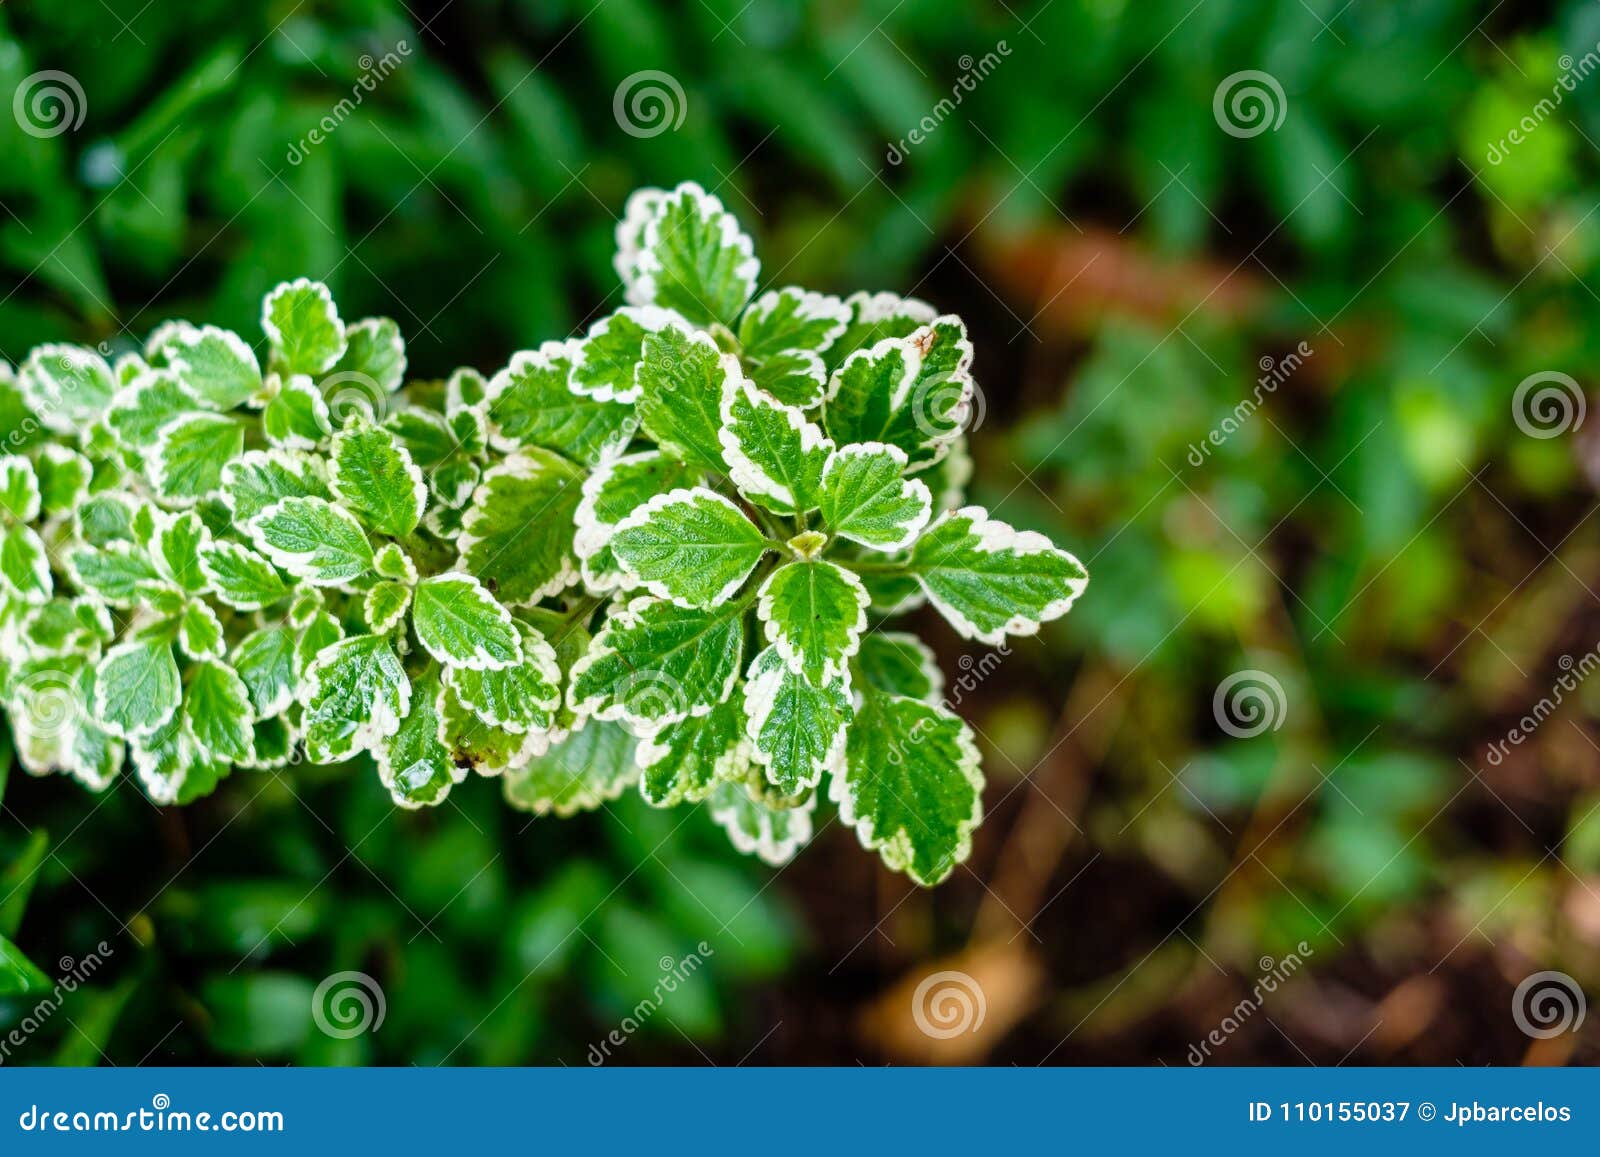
684 760
691 546
490 750
67 626
519 697
814 613
530 403
176 546
911 786
791 319
774 455
303 326
610 494
376 479
426 435
383 606
67 387
782 337
460 624
991 581
694 258
605 364
64 477
356 693
316 635
18 974
265 660
654 663
593 765
913 392
375 354
874 317
240 577
19 489
898 663
414 763
517 535
297 417
796 728
200 632
216 366
866 498
681 383
24 565
773 833
171 765
313 539
186 462
20 875
136 687
393 563
146 406
120 573
216 711
272 744
258 478
105 518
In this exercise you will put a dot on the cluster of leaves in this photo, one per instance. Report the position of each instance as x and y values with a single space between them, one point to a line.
648 556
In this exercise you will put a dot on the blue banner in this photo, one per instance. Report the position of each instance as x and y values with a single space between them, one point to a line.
796 1111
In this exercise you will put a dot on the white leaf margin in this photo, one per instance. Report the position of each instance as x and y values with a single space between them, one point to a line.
624 617
419 485
896 850
330 311
684 496
646 264
767 845
650 318
381 723
748 474
765 680
994 536
910 488
834 667
519 466
480 659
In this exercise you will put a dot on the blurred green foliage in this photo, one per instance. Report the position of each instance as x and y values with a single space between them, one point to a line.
1379 536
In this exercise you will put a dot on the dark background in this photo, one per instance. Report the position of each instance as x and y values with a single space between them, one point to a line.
1382 538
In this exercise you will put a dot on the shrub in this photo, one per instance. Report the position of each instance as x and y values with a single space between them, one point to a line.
648 556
